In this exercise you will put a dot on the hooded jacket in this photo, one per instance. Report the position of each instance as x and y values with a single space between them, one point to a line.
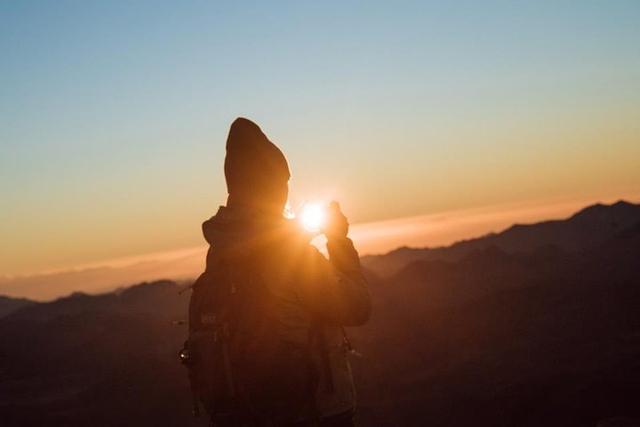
310 290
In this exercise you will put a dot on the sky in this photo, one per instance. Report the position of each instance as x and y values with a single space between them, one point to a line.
113 115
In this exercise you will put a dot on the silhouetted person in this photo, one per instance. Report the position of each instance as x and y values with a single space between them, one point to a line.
266 343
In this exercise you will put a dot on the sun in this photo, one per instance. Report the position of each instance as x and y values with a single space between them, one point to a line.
313 217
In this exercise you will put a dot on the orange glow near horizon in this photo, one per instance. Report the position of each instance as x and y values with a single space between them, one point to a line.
369 238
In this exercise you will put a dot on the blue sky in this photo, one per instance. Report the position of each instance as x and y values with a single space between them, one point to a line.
113 114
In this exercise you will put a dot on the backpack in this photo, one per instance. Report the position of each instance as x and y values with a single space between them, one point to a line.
240 368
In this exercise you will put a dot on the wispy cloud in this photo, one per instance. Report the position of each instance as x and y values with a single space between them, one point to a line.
108 275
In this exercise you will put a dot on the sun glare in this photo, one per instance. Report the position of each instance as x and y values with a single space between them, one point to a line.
313 217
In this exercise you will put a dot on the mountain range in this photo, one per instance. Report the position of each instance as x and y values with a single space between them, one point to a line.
536 325
585 229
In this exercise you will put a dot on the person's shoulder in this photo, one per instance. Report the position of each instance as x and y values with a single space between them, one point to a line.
295 245
290 234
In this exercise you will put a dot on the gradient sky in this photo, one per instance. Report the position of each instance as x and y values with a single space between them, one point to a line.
113 115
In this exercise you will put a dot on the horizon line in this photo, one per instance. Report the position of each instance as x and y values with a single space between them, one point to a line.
356 228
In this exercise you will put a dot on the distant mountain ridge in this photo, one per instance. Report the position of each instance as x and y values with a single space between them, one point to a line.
144 298
8 305
585 229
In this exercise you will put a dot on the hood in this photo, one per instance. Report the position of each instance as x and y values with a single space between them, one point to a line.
233 229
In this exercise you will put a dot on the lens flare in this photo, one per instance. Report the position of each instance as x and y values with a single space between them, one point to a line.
313 217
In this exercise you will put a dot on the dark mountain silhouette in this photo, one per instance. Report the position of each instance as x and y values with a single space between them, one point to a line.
9 305
588 228
545 337
508 330
96 360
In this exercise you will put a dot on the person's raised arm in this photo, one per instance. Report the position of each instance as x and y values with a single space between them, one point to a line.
337 289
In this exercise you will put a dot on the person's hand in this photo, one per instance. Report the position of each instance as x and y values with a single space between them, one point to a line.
337 225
